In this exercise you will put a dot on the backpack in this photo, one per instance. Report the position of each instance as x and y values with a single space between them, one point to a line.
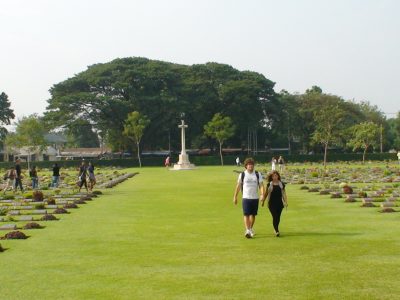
242 178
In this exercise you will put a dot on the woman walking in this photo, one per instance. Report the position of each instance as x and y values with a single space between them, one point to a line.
277 199
92 178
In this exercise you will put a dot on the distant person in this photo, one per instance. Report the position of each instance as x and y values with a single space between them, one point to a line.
281 163
92 178
273 164
56 176
82 177
18 177
398 156
167 161
34 177
10 177
250 182
276 197
237 161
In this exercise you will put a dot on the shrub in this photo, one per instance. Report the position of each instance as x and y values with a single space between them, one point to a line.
28 195
70 205
15 235
48 217
387 210
3 211
1 248
8 197
347 189
51 201
38 196
362 194
80 201
60 211
97 192
32 225
39 206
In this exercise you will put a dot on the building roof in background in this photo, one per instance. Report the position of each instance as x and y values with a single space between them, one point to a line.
84 152
55 138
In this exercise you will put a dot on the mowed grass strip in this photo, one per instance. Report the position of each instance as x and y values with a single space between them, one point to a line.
177 235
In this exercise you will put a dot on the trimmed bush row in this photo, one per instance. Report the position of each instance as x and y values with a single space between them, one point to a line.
213 160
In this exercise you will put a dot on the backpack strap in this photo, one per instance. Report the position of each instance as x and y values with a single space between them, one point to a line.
242 180
258 177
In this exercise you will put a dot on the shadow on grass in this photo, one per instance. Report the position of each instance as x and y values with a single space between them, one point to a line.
295 234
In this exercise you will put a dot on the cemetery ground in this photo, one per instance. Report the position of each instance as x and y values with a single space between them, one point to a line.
177 235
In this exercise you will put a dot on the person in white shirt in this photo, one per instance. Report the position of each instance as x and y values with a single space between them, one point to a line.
398 156
251 183
237 161
273 164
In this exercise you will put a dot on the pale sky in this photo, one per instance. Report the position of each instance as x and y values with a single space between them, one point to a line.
350 48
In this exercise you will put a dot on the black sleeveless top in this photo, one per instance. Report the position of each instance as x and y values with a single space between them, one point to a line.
275 199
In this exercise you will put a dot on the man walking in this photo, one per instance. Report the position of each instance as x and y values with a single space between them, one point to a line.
251 183
18 175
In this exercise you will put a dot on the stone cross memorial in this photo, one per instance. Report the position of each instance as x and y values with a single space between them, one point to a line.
183 163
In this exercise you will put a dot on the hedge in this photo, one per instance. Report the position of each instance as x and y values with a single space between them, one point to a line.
211 160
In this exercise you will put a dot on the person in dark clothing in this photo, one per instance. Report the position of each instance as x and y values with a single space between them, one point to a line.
92 178
56 175
277 199
34 177
18 178
83 176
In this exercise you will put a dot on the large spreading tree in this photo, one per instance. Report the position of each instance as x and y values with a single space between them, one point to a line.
104 94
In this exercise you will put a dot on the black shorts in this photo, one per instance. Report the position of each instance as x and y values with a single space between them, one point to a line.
250 207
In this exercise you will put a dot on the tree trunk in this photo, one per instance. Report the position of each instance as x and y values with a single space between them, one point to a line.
220 153
325 155
138 155
365 152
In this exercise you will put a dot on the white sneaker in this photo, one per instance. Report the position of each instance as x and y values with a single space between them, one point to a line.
248 234
252 233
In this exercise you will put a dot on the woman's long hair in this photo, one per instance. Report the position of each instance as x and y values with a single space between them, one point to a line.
269 179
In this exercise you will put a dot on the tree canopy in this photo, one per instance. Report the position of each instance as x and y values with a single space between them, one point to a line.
104 94
6 114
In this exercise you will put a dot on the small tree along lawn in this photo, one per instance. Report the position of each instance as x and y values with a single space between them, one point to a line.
221 129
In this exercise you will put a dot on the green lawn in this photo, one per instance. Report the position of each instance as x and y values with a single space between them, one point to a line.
177 235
